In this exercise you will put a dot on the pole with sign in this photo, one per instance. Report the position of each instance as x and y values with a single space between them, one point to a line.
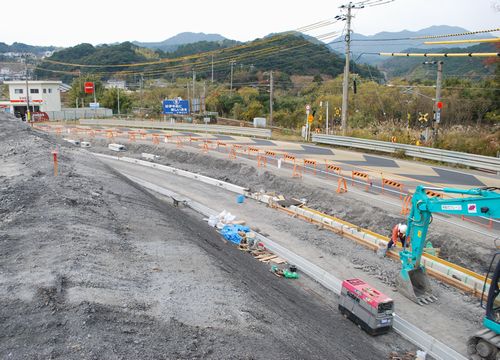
308 110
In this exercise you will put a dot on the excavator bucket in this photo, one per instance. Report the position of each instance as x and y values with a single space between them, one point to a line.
416 287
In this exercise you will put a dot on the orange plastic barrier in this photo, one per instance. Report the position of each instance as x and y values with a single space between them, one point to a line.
253 151
261 161
362 176
131 136
232 152
406 205
58 131
156 139
205 147
168 138
220 143
310 163
270 154
488 225
91 133
288 157
297 170
393 184
341 186
178 142
331 168
110 135
191 139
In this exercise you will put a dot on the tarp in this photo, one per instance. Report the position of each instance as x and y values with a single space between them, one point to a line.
230 232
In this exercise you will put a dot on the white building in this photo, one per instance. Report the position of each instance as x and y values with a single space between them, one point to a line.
43 96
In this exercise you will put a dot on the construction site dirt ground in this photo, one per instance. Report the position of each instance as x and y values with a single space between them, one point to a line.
455 309
94 267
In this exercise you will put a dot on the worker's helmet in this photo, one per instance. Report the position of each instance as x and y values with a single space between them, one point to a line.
403 228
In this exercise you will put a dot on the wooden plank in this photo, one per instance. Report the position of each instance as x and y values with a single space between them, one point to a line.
278 260
267 258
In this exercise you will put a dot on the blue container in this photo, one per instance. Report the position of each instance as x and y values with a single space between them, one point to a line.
240 199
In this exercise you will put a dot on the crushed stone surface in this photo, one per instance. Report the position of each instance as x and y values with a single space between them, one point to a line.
94 267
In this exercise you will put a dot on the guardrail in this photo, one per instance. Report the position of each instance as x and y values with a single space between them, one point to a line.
218 129
447 156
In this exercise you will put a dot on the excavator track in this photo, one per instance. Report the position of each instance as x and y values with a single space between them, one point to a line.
484 345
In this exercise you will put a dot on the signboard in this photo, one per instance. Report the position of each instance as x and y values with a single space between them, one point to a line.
94 105
176 107
308 107
88 87
310 118
438 116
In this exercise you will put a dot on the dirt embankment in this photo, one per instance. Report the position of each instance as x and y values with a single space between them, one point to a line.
93 267
458 246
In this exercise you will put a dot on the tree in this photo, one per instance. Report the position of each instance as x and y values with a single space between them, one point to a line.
77 92
109 100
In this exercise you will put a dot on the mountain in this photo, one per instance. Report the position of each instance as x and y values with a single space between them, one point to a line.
471 67
24 48
381 42
171 44
288 53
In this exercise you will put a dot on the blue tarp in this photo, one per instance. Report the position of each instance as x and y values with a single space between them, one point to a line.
230 232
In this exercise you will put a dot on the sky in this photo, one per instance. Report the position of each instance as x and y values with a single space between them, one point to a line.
67 23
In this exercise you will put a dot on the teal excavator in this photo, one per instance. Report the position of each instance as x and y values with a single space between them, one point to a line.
412 280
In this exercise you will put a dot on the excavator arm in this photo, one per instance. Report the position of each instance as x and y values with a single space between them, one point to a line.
413 282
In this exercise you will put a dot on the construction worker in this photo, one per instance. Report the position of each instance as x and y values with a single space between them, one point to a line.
398 234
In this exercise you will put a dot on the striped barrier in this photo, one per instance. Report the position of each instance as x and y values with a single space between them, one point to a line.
131 136
220 143
393 184
192 139
361 176
155 138
311 163
270 154
431 193
331 168
288 157
253 151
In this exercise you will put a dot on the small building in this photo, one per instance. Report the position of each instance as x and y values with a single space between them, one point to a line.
44 95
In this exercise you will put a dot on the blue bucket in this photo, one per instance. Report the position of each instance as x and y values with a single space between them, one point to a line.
240 199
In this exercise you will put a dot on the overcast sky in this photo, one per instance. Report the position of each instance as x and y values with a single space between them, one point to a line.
67 23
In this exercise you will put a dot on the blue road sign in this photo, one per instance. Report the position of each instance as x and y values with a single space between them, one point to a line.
176 107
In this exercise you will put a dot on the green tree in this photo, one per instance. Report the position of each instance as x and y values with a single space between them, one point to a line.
109 100
77 91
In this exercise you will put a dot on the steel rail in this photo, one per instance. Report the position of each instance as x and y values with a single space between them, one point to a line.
446 156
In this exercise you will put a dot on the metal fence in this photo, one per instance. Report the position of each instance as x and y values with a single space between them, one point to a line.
78 113
446 156
218 129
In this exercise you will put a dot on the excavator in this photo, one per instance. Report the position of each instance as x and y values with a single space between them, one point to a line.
413 282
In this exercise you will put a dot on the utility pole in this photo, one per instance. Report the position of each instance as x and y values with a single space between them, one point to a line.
345 84
271 97
327 105
28 113
436 106
118 93
142 95
232 64
212 68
